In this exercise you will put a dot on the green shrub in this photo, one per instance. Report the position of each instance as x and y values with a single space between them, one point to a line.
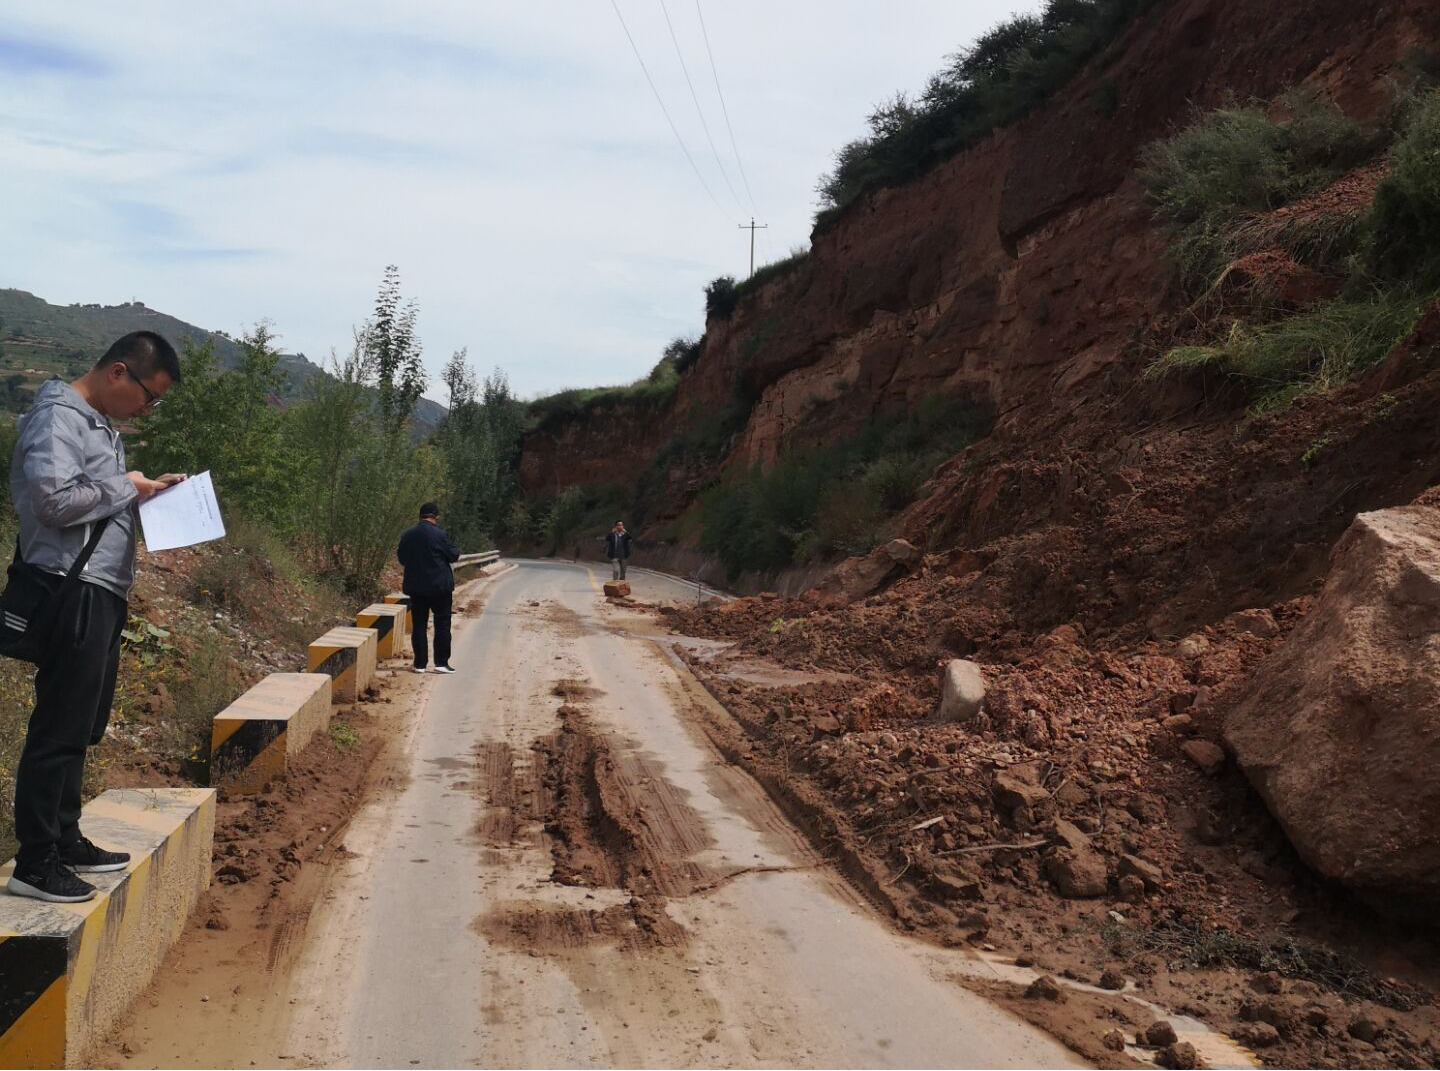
1212 185
720 298
851 518
1209 181
815 504
1403 228
894 481
654 391
684 352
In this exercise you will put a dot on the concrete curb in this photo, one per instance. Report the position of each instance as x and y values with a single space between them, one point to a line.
389 621
254 738
68 972
347 656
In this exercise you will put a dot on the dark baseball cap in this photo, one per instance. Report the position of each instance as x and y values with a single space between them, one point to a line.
429 509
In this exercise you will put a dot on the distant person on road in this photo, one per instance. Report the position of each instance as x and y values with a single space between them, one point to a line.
617 549
427 552
69 483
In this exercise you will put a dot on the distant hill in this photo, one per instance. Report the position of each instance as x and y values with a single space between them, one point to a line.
39 340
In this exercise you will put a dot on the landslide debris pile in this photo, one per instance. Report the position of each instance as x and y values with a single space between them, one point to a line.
1087 819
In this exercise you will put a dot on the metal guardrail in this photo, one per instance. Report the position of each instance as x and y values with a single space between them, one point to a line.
484 557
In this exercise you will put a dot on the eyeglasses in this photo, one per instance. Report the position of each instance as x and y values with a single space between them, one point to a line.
152 400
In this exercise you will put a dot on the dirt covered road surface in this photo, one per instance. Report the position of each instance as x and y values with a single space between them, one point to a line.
554 866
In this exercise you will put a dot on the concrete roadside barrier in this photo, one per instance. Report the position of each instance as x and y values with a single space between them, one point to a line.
347 657
389 621
253 739
69 972
395 598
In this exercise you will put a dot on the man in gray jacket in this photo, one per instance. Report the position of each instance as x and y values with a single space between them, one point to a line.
67 475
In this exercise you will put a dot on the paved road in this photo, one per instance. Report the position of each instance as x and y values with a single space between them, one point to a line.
646 585
692 927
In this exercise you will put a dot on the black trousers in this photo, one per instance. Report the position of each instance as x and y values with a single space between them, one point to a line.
74 687
421 607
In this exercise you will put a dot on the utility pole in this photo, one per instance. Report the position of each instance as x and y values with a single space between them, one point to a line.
752 227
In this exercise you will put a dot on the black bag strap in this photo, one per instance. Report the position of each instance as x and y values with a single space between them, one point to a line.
90 545
83 559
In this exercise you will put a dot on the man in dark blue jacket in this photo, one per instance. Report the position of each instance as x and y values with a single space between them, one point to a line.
427 551
617 549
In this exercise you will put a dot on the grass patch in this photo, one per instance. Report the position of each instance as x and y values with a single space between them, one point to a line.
16 702
653 392
1184 946
207 682
1314 350
344 735
258 578
774 270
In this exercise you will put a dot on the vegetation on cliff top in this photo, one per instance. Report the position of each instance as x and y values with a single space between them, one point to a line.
998 80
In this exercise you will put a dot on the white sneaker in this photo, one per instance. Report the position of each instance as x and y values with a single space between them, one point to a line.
443 669
421 669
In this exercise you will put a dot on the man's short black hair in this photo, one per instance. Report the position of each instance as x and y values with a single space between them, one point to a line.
145 353
429 510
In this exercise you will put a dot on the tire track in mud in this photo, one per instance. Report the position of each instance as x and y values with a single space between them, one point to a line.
609 819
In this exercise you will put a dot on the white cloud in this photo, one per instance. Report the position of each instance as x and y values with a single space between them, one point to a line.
267 160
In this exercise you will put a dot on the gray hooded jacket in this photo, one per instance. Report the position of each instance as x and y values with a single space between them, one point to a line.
68 472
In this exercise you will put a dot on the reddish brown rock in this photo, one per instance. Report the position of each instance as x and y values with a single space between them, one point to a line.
1077 875
1209 757
1340 730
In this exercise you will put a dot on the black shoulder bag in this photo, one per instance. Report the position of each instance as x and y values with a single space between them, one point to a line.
32 600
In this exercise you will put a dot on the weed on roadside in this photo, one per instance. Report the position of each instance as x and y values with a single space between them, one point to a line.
344 735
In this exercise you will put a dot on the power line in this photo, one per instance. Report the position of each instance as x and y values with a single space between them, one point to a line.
723 109
658 100
699 110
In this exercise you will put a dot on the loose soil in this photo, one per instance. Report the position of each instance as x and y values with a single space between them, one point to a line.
1203 907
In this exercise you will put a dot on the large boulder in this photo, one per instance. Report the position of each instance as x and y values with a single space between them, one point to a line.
855 578
1340 730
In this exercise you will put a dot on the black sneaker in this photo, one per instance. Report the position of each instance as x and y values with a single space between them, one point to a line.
84 857
51 880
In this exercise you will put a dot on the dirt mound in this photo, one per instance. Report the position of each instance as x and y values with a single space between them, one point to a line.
1340 730
635 926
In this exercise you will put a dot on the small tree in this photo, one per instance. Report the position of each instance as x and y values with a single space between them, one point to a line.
480 444
227 421
392 350
361 485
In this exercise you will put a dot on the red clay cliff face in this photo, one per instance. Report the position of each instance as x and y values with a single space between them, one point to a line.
1027 274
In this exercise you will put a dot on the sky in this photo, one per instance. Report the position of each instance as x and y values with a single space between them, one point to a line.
234 163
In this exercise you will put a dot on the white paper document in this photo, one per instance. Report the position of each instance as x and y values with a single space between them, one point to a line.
182 515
